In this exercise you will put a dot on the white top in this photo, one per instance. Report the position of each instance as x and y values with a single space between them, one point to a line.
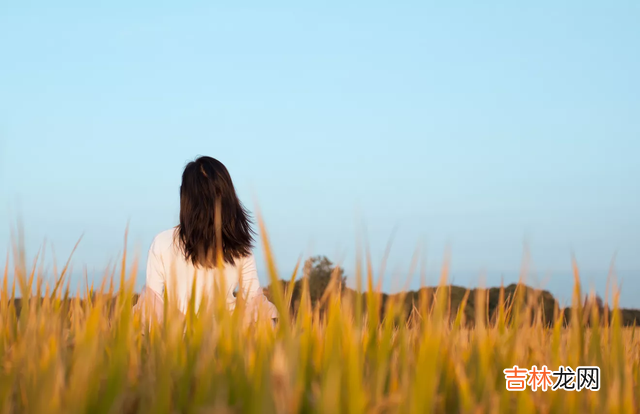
167 268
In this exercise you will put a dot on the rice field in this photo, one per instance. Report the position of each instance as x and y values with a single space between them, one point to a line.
90 352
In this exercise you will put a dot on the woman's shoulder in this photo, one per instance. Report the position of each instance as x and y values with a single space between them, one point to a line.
247 262
164 241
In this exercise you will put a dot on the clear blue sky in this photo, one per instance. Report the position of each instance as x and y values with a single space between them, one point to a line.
478 126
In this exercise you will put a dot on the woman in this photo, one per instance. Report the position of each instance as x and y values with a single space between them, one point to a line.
192 249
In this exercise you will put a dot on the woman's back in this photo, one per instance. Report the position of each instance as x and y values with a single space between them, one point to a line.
168 268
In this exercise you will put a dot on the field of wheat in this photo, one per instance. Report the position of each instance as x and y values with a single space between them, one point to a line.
88 351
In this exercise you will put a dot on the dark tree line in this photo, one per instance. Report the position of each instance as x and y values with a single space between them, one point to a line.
319 271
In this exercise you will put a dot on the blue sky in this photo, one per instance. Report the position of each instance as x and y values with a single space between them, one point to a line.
474 126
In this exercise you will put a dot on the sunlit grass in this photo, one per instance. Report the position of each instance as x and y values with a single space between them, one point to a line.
91 353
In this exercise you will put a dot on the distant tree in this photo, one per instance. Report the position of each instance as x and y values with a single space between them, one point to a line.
599 302
319 270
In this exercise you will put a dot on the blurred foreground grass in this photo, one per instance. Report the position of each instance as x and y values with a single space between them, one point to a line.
62 354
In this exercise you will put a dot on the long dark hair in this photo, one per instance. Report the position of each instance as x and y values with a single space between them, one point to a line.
207 199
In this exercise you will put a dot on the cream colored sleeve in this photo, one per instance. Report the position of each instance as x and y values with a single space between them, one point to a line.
258 306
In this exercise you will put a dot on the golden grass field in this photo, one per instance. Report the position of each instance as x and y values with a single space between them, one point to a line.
67 355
